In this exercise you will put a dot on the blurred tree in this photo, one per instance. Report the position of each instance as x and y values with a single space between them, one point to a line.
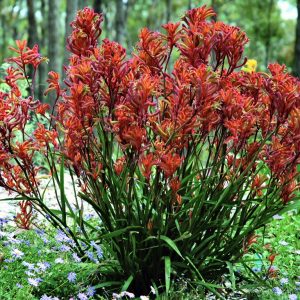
270 7
53 40
263 24
71 10
32 25
82 3
97 5
42 71
215 4
168 10
296 69
32 31
120 22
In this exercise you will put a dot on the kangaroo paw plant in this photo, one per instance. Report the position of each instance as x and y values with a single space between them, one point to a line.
181 154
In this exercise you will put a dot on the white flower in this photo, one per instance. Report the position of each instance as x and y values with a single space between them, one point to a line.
284 280
283 243
123 294
17 253
277 290
59 260
127 294
277 217
152 290
144 297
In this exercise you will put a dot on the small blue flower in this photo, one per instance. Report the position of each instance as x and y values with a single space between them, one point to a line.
43 266
45 297
83 244
3 221
28 265
91 291
82 296
19 285
88 216
277 290
284 281
28 273
256 269
72 277
293 297
39 232
59 260
64 248
45 240
17 253
34 281
90 255
76 257
62 237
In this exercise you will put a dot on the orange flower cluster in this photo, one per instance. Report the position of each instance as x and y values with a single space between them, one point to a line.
157 116
17 148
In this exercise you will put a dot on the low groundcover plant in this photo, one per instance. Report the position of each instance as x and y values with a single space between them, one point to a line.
181 154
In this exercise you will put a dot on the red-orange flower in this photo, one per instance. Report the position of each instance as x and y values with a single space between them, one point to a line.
169 163
146 163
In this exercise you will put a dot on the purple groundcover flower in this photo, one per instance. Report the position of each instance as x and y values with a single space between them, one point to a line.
3 221
45 297
63 238
98 249
277 290
39 232
43 266
17 253
30 274
59 260
90 255
34 281
28 265
76 257
284 280
72 277
277 217
82 296
293 297
91 291
64 248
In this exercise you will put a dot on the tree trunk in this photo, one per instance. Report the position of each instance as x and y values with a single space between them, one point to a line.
120 22
168 10
32 29
53 41
82 4
97 5
42 71
72 7
296 70
269 33
215 7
